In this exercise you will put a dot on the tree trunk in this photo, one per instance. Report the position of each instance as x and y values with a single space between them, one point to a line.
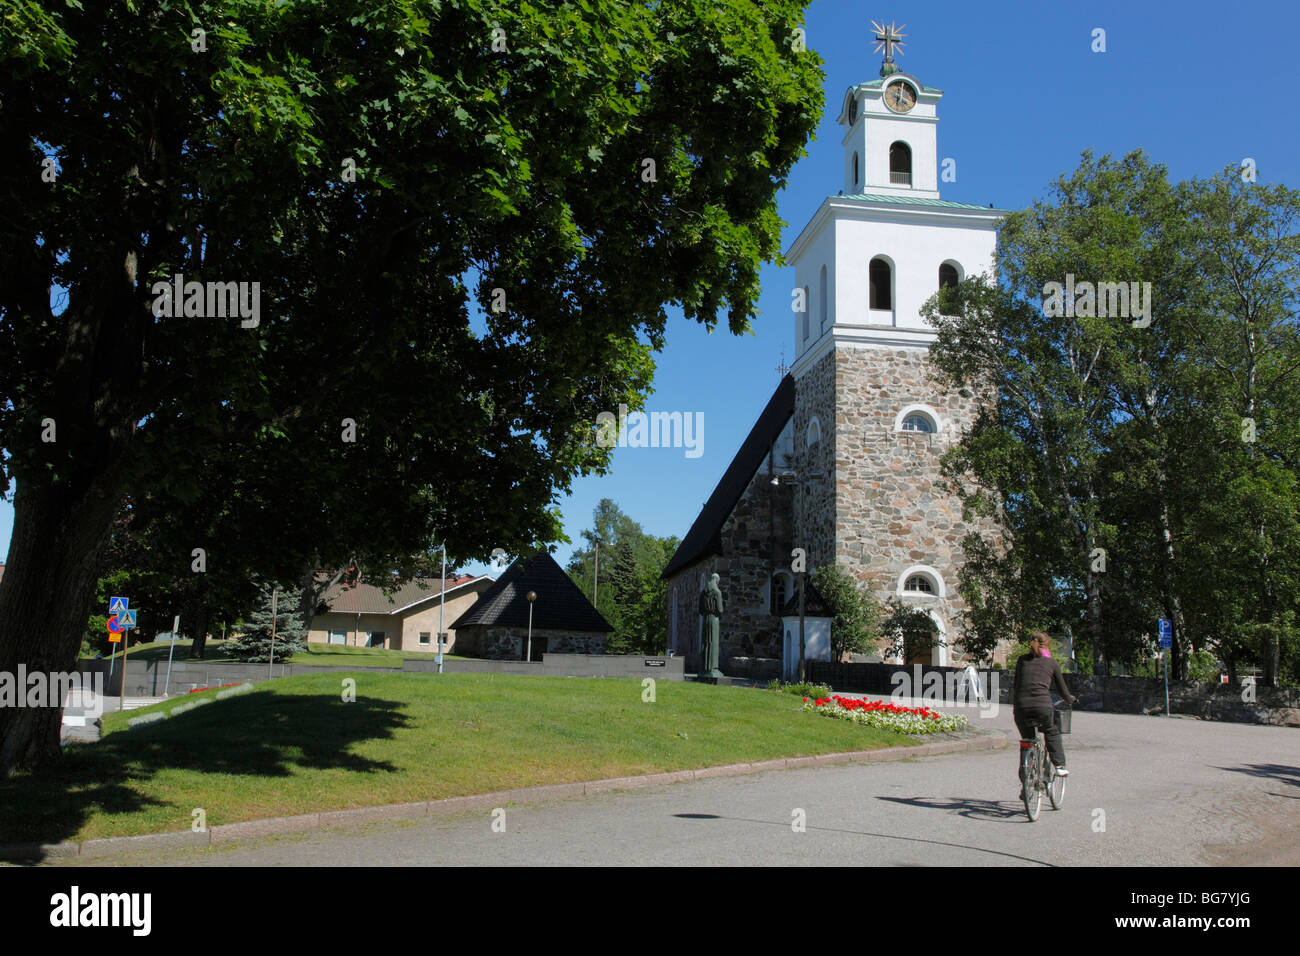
200 616
45 597
1095 630
68 492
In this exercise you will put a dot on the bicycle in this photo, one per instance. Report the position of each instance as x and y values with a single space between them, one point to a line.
1038 774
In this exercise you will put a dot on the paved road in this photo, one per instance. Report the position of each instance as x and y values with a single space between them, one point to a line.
1173 792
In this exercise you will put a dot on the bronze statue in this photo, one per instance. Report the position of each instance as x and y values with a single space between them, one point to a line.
711 612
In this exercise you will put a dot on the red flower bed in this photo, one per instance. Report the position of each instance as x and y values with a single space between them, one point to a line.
199 690
876 706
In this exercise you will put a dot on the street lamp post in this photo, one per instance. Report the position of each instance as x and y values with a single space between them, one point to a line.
803 644
442 604
270 668
532 596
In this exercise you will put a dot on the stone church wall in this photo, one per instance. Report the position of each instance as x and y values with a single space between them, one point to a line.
815 511
686 584
890 512
755 542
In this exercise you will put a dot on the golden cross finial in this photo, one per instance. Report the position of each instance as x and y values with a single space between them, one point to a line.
888 37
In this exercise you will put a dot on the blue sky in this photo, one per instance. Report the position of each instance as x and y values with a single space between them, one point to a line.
1196 84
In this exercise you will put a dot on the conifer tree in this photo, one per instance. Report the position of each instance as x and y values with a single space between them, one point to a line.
254 642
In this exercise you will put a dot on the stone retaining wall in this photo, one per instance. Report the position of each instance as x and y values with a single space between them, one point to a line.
148 678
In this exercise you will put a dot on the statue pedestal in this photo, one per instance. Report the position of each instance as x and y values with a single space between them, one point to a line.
712 677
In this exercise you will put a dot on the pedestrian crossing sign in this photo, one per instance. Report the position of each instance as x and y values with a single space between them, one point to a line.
117 605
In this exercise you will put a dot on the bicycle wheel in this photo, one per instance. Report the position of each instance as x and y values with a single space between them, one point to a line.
1056 789
1033 781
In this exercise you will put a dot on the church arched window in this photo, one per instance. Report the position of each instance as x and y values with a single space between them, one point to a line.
821 299
855 168
814 433
900 164
921 581
917 418
805 312
780 589
880 279
948 279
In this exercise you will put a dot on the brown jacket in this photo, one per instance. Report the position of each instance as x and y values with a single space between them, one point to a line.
1034 677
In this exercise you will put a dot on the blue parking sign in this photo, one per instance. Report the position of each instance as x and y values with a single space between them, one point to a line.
1166 633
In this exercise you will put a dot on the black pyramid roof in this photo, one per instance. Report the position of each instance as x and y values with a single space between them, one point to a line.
814 604
560 604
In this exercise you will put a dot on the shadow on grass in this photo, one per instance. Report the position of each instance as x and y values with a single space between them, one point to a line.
253 735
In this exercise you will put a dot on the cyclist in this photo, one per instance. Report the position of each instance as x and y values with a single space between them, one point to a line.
1036 673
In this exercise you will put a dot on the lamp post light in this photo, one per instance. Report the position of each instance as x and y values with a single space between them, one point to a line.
532 596
792 478
442 604
270 668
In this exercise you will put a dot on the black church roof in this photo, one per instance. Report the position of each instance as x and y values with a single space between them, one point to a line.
814 604
705 536
560 603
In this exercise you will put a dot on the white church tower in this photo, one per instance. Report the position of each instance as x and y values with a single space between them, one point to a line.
866 415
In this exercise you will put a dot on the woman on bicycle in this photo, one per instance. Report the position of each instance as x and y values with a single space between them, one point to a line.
1037 673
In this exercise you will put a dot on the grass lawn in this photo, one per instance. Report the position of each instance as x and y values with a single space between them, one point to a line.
331 655
294 746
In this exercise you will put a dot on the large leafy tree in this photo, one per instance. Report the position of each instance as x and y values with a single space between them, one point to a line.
856 614
1142 467
383 171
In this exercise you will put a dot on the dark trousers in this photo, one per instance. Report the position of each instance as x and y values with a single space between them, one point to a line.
1029 719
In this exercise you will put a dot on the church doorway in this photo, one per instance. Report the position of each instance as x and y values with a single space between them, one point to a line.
924 644
920 647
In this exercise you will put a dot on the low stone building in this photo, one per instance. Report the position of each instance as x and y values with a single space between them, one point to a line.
563 620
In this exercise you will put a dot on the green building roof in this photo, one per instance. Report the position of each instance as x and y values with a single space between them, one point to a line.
911 201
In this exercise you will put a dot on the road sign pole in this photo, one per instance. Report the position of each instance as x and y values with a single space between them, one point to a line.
1166 657
176 622
126 642
1166 629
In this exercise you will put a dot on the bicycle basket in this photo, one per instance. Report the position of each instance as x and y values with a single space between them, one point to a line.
1062 719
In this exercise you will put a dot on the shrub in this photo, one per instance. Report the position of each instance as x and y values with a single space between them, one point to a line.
811 691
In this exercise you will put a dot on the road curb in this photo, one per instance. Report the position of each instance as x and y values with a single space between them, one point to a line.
226 832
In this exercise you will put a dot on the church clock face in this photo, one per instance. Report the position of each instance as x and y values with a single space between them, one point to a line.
900 97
